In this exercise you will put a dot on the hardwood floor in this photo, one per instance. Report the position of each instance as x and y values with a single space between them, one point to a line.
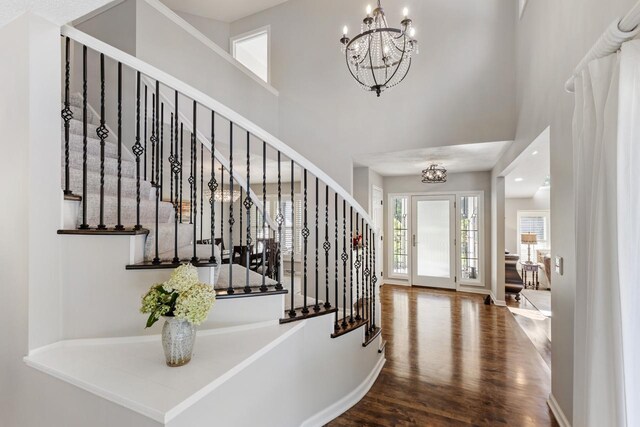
453 361
534 324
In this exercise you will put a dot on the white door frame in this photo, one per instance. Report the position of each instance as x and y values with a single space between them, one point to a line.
437 282
378 221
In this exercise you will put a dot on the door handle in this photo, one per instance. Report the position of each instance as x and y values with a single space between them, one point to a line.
413 240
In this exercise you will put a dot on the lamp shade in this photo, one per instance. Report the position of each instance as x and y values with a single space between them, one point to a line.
529 238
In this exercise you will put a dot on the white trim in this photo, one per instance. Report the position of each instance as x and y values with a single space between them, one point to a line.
249 34
499 303
193 31
480 291
341 406
389 281
218 107
557 411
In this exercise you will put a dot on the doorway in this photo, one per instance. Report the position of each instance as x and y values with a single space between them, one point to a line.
433 241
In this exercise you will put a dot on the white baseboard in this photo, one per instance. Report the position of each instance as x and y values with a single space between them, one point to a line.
480 291
396 282
341 406
500 303
557 411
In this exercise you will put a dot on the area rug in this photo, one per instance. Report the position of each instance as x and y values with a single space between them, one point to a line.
540 299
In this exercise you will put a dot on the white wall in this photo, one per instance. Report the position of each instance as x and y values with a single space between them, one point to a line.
460 88
30 273
552 37
217 31
539 202
473 181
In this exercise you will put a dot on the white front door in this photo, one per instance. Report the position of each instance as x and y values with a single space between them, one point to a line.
433 241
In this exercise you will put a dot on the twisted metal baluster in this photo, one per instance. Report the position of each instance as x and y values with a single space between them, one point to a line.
119 225
374 279
102 133
327 247
344 264
156 259
263 287
366 275
248 203
171 162
231 220
138 150
351 319
240 215
66 113
194 195
152 139
181 164
357 266
336 326
145 132
279 221
292 310
305 236
213 186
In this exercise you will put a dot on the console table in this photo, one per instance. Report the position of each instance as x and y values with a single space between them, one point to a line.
530 268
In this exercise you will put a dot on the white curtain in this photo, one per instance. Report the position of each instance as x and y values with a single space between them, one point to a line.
606 133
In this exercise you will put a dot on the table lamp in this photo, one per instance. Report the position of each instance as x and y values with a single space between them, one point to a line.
529 239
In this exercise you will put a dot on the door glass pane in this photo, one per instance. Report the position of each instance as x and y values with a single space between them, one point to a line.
400 235
433 238
469 238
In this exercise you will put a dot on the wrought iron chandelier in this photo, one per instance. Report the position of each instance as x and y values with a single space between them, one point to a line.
434 175
380 56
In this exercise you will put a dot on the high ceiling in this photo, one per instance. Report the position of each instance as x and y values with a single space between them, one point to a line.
222 10
58 11
455 158
529 171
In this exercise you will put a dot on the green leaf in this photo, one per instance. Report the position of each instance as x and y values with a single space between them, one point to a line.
151 320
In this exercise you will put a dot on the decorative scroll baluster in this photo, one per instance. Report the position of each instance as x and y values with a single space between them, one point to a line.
263 287
316 307
327 247
156 130
305 236
119 225
336 326
84 224
137 151
292 311
240 216
248 205
152 140
161 154
213 186
201 190
279 221
222 210
194 195
145 132
231 220
191 178
176 167
357 267
181 166
365 282
351 320
102 133
374 279
344 264
67 114
171 163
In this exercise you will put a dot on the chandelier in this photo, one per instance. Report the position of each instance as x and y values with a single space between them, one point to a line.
380 56
434 175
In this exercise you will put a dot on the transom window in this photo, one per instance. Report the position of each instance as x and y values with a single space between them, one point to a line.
252 51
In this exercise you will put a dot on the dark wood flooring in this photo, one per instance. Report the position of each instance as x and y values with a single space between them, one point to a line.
534 324
453 361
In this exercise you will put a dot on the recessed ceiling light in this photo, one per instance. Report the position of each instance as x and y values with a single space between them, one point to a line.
534 153
519 179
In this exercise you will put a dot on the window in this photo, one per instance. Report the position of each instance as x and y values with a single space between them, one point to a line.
535 222
469 238
400 233
252 51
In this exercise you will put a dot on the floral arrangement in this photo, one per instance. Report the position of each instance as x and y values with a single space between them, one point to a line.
182 296
357 242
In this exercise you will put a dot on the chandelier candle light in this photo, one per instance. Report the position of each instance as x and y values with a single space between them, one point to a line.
434 175
380 56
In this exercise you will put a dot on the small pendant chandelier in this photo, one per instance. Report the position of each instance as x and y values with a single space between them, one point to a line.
434 175
380 56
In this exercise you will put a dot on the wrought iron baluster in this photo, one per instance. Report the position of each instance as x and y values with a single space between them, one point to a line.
161 154
222 210
194 195
152 139
145 132
119 225
248 203
102 133
66 113
263 287
240 216
344 264
357 266
213 186
137 151
366 279
176 167
84 224
231 220
181 166
336 325
171 163
374 279
305 236
157 118
292 311
351 319
279 221
326 246
201 190
316 307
